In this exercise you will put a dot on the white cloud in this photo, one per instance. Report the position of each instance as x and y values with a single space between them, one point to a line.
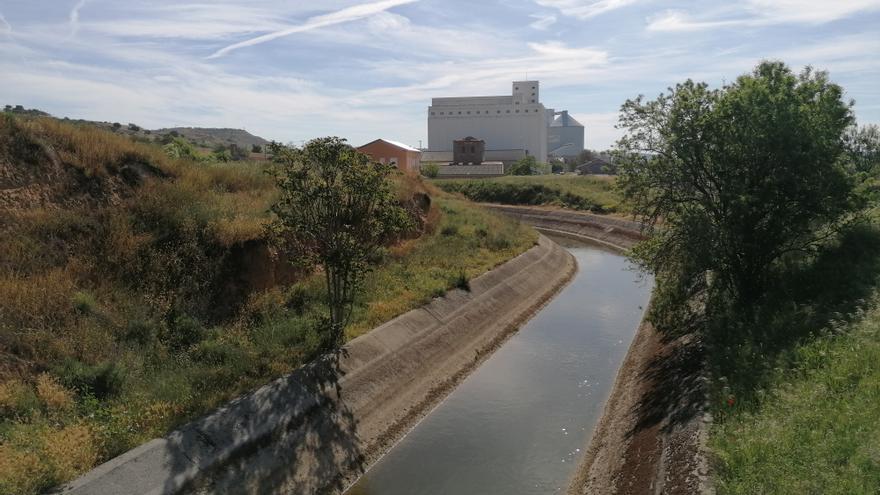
189 22
7 28
73 19
340 16
585 9
754 13
551 62
543 21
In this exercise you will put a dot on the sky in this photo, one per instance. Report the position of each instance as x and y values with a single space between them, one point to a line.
295 70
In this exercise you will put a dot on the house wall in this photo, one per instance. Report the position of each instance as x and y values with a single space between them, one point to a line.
408 161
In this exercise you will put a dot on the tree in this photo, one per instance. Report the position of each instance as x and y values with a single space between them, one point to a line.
337 207
256 148
740 176
863 148
181 148
863 151
524 166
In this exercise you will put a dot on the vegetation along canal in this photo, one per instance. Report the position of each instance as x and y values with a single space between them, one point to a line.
520 423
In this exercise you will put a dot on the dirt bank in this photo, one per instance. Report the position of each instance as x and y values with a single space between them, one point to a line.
317 429
651 436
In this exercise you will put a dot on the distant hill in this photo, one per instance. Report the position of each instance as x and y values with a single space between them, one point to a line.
208 137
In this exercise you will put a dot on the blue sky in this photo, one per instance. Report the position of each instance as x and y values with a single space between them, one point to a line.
295 70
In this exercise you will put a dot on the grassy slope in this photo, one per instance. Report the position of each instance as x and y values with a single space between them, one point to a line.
797 402
108 334
594 193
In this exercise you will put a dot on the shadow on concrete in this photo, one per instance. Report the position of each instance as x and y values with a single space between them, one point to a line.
295 435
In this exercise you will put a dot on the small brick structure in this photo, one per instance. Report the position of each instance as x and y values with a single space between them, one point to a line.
468 151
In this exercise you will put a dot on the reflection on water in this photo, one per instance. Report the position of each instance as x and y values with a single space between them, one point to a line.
519 423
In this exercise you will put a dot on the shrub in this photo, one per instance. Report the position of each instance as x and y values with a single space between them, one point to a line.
183 333
461 281
449 230
141 332
102 381
55 397
17 399
430 170
84 303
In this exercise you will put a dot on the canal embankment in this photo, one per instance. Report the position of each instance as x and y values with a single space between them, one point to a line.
317 429
652 434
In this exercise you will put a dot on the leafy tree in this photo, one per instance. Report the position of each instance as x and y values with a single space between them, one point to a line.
336 209
557 167
730 180
221 155
524 166
430 170
863 150
256 148
181 148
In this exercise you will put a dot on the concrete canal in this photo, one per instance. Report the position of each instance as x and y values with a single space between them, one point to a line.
520 423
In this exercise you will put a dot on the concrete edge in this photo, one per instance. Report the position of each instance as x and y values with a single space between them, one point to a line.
460 320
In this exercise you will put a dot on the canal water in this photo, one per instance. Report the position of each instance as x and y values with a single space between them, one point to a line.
519 423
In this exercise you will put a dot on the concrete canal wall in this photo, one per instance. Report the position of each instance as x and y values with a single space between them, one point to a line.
315 430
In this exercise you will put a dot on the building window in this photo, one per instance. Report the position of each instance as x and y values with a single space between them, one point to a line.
499 111
469 112
516 88
433 113
508 111
441 113
533 87
517 111
459 113
533 101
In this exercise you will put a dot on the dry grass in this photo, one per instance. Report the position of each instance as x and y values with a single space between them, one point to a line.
55 397
110 313
93 150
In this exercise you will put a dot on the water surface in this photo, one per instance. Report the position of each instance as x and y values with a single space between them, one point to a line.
519 423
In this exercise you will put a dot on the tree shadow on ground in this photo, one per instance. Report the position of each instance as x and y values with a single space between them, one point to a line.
295 435
742 353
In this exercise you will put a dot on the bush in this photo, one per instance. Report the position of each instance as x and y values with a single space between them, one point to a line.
430 170
461 281
102 381
183 333
84 303
449 231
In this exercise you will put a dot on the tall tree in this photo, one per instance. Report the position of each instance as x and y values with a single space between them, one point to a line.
729 180
337 207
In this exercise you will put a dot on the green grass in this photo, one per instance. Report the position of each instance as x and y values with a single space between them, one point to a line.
817 426
589 193
111 332
796 394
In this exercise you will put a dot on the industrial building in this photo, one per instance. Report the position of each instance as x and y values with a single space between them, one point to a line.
511 126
